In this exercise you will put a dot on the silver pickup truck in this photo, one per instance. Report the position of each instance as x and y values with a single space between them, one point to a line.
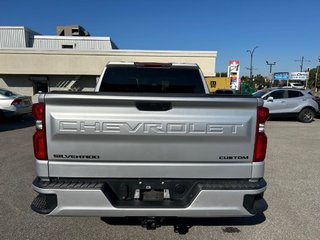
149 142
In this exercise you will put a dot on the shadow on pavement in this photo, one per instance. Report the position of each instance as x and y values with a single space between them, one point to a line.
282 119
17 123
288 119
182 225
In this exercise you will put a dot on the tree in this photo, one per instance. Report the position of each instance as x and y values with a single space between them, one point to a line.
245 79
259 80
246 86
312 78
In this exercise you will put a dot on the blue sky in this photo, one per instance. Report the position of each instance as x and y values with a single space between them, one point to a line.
284 30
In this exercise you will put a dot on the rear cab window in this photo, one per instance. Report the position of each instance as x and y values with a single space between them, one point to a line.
129 78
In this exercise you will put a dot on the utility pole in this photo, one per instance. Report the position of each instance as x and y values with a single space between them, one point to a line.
271 64
251 56
302 60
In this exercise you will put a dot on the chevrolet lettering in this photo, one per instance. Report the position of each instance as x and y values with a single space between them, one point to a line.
87 127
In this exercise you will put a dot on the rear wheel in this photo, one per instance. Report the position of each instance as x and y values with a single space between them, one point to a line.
306 115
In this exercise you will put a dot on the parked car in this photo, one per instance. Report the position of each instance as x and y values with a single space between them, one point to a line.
285 102
296 85
13 104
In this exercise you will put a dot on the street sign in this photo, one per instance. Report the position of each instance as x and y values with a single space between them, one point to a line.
284 76
234 74
301 76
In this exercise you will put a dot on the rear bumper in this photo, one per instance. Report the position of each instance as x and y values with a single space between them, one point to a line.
213 198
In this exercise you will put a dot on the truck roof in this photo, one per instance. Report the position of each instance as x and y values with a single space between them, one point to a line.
164 64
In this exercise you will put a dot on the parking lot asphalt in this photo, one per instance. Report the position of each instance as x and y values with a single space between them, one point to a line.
292 173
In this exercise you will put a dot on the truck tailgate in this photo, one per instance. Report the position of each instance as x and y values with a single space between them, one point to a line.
100 135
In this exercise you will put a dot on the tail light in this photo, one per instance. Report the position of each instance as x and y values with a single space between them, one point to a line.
260 147
39 138
16 102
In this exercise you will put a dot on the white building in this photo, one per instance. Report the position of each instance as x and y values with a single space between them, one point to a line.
30 62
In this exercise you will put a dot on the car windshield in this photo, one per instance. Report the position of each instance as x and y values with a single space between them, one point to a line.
259 94
7 93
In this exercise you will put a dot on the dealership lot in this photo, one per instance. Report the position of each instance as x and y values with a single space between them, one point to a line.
292 170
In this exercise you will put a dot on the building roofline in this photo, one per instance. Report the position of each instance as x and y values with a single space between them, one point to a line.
19 27
178 52
89 38
123 52
13 27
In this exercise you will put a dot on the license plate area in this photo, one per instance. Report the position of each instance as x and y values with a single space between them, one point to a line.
160 193
152 195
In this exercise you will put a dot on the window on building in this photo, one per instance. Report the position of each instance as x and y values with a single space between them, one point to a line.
68 46
75 31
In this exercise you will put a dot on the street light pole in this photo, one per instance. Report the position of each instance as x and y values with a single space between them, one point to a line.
271 64
251 56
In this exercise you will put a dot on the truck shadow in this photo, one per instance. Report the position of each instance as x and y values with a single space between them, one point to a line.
17 123
182 225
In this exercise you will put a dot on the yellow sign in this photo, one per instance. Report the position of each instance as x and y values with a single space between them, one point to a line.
215 83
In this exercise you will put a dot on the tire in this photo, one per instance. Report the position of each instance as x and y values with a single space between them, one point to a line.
306 115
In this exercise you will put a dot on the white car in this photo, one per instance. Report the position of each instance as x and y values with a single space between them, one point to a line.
289 102
13 104
296 85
